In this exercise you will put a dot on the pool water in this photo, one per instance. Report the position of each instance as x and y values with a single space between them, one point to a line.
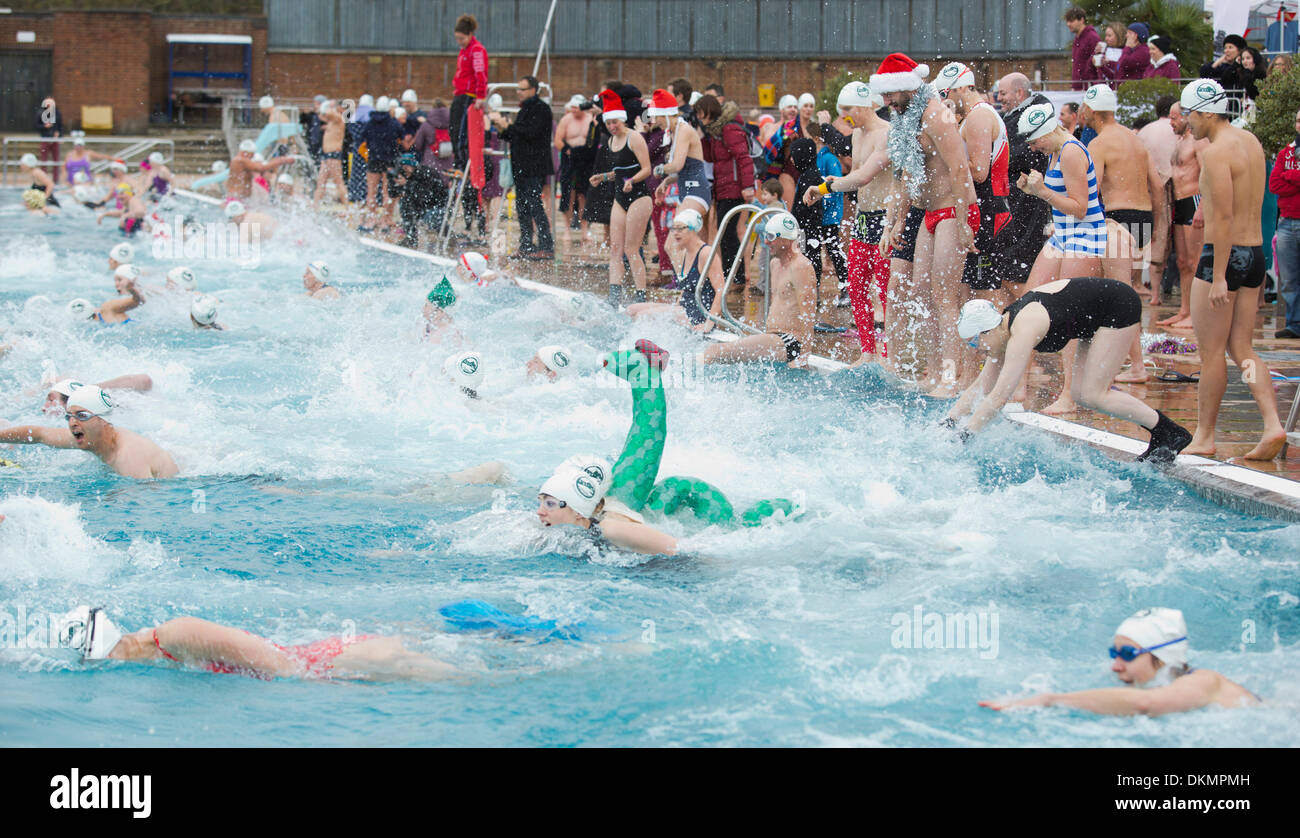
312 439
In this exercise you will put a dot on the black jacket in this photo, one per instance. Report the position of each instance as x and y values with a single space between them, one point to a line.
1030 216
530 139
423 190
48 129
381 134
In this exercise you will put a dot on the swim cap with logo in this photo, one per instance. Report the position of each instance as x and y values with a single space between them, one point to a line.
88 631
954 75
234 209
1204 95
782 225
857 94
320 270
128 272
690 219
66 387
1037 121
581 482
90 397
557 359
183 277
248 146
466 369
976 318
204 310
1153 626
443 294
80 307
122 253
28 160
1100 97
266 102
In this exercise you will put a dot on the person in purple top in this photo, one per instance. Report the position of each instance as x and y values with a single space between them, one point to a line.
1135 58
1163 61
1082 71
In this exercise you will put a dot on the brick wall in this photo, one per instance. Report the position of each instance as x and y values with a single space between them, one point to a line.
41 24
229 59
103 58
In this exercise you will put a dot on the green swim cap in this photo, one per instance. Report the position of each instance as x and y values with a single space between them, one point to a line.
442 294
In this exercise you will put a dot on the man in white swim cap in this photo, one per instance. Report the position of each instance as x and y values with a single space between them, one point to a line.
56 399
259 225
315 278
181 277
466 370
120 254
575 495
1149 650
243 166
127 453
203 312
550 362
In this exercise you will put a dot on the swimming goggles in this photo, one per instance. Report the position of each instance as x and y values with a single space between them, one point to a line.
974 343
80 416
1128 653
552 503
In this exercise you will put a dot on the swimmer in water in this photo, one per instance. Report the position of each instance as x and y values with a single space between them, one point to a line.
1103 315
575 495
438 325
1150 652
473 267
203 313
128 207
219 649
86 192
181 278
260 225
161 182
550 363
56 399
690 247
242 168
41 182
121 254
127 453
466 370
314 280
115 310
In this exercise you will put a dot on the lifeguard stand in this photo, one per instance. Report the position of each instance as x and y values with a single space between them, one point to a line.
205 43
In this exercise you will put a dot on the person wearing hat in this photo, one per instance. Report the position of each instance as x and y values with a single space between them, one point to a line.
575 158
239 175
203 313
793 312
1163 61
423 195
414 116
56 398
575 495
1135 58
259 225
382 135
1227 69
161 182
1149 651
128 207
692 249
1230 275
685 164
725 145
551 362
626 163
466 370
41 181
777 144
1101 314
438 323
315 278
530 136
127 453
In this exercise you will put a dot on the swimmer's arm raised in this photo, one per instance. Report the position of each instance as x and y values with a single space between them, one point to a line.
38 435
121 305
640 538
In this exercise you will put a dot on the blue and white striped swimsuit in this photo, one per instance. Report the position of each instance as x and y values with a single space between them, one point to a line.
1070 235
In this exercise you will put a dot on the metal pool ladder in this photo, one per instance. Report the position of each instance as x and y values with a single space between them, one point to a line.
726 319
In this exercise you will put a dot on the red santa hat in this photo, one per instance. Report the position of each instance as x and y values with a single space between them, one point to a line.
898 73
662 103
611 106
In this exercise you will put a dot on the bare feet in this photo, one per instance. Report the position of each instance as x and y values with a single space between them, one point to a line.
1181 323
1269 446
1200 446
1136 375
1021 394
1155 299
1061 406
1174 318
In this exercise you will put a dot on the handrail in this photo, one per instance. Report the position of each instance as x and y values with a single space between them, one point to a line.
133 146
727 319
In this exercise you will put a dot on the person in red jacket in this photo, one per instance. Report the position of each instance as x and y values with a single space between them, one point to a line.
1163 62
726 146
469 85
1284 182
1082 71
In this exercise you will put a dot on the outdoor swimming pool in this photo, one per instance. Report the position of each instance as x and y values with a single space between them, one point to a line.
311 439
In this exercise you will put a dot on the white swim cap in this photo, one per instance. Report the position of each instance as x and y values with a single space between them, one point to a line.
383 104
495 102
89 397
475 263
557 359
857 94
466 369
807 99
367 100
79 141
218 166
117 166
66 387
695 96
234 209
581 482
248 146
788 101
399 113
285 179
266 102
409 96
1204 95
1100 97
954 75
80 308
204 310
976 318
1037 121
319 269
81 177
575 101
259 157
127 271
183 277
783 226
122 253
87 630
1154 626
690 219
29 160
156 159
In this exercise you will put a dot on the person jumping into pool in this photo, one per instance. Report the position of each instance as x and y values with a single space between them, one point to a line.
550 362
115 310
1102 314
1149 652
576 495
314 279
259 225
200 644
686 227
793 309
127 453
56 399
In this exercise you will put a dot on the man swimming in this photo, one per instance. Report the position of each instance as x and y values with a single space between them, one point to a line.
550 363
314 280
575 496
127 453
203 313
1150 652
438 323
260 225
56 399
793 311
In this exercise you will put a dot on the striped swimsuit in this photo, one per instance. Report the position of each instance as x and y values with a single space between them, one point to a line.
1086 236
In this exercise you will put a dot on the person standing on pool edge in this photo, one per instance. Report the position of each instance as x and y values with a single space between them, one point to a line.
530 156
1225 300
469 85
1150 652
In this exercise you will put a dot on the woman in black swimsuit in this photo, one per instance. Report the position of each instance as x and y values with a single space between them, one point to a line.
629 162
1103 315
692 252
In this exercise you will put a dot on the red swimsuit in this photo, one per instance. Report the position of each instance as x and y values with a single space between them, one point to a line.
316 659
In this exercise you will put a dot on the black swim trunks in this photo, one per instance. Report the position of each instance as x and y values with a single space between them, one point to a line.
982 271
1185 209
378 167
911 229
869 226
792 346
1245 266
1137 222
